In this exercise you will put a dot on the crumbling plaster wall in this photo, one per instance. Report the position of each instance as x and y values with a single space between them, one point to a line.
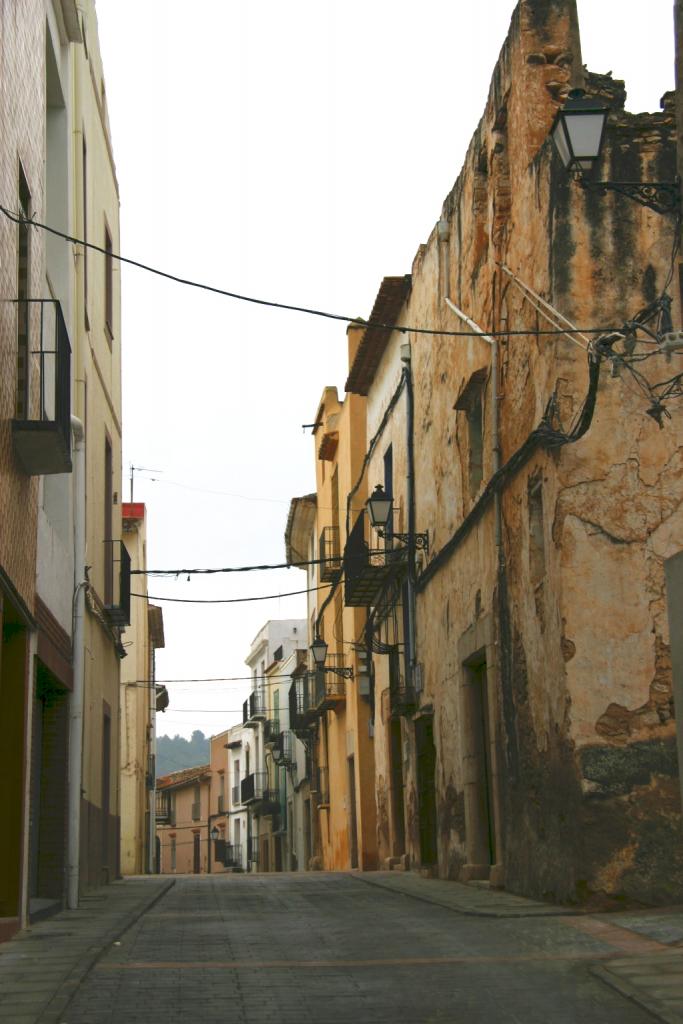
582 699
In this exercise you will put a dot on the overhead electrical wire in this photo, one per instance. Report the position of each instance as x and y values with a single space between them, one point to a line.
403 328
240 568
231 600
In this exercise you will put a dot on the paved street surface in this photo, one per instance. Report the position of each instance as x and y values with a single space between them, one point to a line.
322 948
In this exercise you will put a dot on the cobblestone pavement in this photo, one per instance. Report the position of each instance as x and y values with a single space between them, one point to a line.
328 949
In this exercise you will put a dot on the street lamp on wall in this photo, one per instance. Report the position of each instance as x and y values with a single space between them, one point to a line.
214 833
379 511
319 653
578 132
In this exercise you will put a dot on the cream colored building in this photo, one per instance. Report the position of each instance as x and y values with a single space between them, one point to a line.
140 699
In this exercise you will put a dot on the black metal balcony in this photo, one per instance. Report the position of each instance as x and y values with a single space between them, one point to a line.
402 699
254 709
283 751
271 731
270 803
365 573
164 809
329 553
41 436
232 856
320 786
116 583
330 689
252 787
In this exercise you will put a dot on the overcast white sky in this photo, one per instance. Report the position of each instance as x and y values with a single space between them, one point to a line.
299 152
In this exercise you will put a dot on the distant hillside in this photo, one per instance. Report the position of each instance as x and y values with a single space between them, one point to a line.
177 752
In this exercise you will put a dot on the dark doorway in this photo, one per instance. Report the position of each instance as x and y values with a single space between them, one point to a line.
481 828
48 791
426 793
398 820
106 789
278 853
197 854
353 823
308 851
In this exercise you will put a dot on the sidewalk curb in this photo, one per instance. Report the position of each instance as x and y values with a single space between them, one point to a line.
636 995
53 1012
432 901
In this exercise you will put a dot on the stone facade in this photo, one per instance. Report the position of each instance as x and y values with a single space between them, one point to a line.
540 748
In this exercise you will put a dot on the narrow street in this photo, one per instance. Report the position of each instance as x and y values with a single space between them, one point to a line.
339 947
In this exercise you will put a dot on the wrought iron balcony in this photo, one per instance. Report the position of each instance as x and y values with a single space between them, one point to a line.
270 803
320 786
402 699
233 856
116 583
254 709
366 573
41 437
283 751
252 787
164 809
271 731
329 553
330 689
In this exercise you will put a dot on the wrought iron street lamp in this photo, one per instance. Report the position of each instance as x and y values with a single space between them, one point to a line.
319 653
379 511
214 833
578 132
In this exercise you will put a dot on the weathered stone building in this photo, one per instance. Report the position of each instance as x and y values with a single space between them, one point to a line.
527 733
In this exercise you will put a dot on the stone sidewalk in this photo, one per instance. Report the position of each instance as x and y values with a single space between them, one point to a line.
654 980
42 967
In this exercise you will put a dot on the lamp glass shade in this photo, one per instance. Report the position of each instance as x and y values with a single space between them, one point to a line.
319 652
578 131
379 508
214 833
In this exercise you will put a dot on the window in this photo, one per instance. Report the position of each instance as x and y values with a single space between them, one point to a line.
23 305
108 285
173 854
471 402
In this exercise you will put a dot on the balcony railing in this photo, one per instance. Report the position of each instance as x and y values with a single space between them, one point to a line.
402 699
270 803
116 583
320 786
236 795
233 856
254 709
330 553
271 730
365 574
253 786
283 750
42 437
164 809
330 689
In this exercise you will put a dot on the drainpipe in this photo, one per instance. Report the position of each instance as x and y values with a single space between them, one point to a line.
76 703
